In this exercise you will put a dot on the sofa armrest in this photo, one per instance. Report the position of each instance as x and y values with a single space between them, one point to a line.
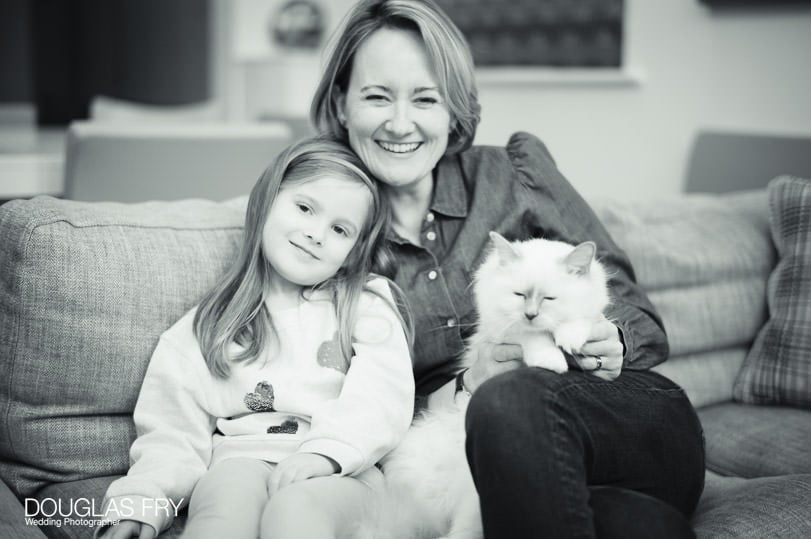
12 517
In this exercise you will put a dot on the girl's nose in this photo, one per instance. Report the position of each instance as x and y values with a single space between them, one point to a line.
314 236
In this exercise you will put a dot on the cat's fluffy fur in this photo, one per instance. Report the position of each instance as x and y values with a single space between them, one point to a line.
543 295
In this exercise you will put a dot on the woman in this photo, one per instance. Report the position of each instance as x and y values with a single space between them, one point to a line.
609 449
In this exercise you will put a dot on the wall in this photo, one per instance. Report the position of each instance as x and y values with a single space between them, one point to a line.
735 69
689 67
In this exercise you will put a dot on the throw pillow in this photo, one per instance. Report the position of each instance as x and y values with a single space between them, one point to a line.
777 369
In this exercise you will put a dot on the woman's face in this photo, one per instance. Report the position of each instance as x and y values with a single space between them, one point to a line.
393 109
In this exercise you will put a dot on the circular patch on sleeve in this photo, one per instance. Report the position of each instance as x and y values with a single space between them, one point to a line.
372 330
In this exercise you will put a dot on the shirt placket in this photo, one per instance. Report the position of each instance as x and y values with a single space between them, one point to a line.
432 241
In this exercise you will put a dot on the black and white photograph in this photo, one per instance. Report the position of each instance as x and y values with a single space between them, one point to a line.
405 269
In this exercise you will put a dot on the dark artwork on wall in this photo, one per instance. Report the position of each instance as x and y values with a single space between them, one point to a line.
572 33
765 4
148 51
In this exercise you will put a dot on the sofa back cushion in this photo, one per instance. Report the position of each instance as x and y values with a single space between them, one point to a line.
777 370
85 292
704 261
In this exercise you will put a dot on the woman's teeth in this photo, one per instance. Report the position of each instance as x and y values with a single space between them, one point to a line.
399 148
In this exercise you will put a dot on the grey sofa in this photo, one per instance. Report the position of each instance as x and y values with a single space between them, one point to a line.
86 288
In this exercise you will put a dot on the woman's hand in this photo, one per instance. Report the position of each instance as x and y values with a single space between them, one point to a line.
493 359
603 349
298 467
128 528
603 343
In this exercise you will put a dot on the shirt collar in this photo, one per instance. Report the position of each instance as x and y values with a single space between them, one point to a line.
450 195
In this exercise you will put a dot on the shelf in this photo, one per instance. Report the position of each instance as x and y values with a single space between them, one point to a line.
549 76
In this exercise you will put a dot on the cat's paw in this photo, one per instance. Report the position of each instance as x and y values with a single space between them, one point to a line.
551 359
571 337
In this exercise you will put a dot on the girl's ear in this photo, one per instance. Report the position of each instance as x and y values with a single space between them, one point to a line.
578 261
506 251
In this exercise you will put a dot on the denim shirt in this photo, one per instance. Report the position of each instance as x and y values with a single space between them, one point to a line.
518 192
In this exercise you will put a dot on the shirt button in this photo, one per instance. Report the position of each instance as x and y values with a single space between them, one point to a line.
431 275
451 322
431 236
429 217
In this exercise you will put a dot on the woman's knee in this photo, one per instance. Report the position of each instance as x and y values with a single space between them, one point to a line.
626 514
508 400
512 410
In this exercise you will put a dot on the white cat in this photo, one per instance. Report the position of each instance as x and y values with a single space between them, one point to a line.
543 295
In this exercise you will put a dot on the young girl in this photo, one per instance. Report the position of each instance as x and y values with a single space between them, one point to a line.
274 398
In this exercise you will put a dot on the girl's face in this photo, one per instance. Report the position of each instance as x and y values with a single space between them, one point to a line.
311 228
393 109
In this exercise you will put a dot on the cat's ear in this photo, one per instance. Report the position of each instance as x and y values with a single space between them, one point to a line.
506 251
579 260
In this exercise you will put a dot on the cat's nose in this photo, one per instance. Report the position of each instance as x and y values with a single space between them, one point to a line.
530 316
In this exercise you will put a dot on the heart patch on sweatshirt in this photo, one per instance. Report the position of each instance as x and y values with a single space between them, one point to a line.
261 399
330 356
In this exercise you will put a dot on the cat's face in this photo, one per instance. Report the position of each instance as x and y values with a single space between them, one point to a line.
530 297
537 285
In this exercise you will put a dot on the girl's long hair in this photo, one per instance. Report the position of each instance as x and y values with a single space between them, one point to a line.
232 322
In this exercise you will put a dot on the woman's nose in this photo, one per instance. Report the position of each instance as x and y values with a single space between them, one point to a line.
400 124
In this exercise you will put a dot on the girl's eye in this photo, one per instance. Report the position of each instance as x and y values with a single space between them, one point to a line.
520 295
340 231
303 208
550 298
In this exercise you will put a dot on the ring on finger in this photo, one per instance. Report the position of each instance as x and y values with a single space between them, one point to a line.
599 364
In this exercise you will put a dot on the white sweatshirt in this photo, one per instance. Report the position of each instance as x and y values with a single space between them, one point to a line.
301 396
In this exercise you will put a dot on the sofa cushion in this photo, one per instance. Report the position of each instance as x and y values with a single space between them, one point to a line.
691 240
745 440
731 507
704 261
778 368
85 291
706 377
13 517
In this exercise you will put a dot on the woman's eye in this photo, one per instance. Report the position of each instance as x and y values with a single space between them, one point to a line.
427 100
550 298
520 295
375 97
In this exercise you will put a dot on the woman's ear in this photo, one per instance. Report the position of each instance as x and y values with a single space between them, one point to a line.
340 107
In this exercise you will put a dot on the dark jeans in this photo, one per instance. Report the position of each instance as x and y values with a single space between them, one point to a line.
575 456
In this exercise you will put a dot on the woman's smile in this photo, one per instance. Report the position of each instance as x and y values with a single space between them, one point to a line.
399 147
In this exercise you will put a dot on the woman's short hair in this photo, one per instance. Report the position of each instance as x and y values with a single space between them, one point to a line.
447 49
